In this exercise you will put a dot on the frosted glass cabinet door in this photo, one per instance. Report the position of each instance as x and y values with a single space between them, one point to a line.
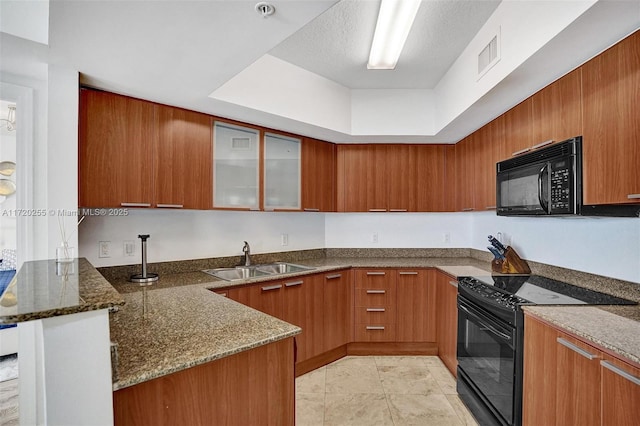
235 167
281 172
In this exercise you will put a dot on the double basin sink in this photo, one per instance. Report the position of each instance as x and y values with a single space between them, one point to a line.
255 271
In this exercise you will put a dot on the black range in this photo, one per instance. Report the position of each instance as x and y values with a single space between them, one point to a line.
490 337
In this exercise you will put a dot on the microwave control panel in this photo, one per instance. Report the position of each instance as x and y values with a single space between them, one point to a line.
560 187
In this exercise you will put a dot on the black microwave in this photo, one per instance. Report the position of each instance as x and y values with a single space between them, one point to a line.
547 181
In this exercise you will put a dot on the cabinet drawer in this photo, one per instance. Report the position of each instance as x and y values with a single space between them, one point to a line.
375 315
375 333
375 297
375 278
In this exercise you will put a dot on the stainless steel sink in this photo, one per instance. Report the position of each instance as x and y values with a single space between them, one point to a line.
282 268
238 273
254 271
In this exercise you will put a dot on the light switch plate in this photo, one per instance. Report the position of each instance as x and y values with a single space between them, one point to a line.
104 249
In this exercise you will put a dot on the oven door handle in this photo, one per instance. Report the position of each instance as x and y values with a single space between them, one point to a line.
488 327
543 204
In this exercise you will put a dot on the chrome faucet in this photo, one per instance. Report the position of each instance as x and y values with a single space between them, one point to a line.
247 254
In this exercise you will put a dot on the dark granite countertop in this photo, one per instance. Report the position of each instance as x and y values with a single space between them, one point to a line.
45 288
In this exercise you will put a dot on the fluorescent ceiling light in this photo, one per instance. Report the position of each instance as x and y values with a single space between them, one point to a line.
394 23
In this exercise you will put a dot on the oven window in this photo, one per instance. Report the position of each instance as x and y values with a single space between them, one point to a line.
486 355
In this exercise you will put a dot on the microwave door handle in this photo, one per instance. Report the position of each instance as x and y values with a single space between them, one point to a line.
543 203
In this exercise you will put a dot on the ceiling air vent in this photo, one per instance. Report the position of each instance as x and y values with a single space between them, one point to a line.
489 55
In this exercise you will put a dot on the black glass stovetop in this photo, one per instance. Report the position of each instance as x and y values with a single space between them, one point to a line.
546 291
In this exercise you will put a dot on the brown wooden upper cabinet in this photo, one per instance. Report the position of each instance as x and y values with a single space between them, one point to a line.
611 152
464 175
318 176
489 148
391 178
518 128
134 153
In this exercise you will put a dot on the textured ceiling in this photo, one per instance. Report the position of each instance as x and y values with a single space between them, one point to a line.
336 44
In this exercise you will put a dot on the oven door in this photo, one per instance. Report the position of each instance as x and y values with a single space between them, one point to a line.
486 358
523 190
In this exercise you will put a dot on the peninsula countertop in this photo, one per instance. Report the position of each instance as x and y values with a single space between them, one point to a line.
45 288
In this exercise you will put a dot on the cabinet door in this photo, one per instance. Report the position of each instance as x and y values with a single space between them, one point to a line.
430 178
489 149
362 178
183 159
401 163
578 383
465 164
611 87
318 175
620 392
447 320
266 297
416 305
235 167
557 109
518 128
539 378
450 178
338 311
281 172
302 306
116 136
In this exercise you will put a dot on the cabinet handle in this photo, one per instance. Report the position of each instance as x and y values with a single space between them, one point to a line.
375 327
135 204
254 209
408 273
293 283
377 210
376 291
311 210
620 372
468 209
169 206
576 349
272 287
397 210
522 151
332 277
375 273
454 283
375 309
491 207
222 294
541 144
633 196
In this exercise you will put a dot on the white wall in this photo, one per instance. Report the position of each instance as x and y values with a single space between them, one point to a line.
25 19
193 234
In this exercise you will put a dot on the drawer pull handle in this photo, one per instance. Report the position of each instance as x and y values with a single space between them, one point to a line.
375 327
222 294
576 349
377 210
272 287
375 309
522 151
408 273
397 210
454 283
620 372
376 273
633 196
293 283
491 208
135 204
376 291
169 206
468 209
306 209
541 144
332 277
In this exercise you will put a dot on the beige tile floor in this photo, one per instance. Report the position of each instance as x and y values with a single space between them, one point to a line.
380 390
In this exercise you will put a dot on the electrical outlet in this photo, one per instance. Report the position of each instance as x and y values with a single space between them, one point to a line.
129 248
104 248
446 237
374 237
284 239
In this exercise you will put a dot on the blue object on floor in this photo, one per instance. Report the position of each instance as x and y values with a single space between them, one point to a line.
5 279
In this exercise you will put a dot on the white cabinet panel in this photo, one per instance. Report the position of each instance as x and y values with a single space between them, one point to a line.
281 172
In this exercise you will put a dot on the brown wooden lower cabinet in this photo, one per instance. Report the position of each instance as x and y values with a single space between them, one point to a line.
447 320
571 382
255 387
